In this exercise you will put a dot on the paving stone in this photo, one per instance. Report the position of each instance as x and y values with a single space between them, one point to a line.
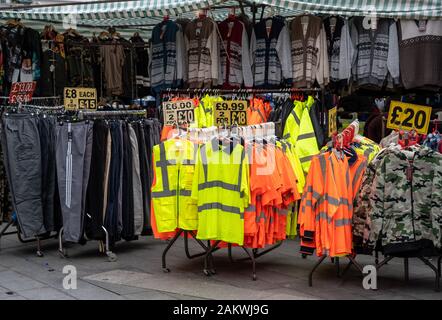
46 293
16 282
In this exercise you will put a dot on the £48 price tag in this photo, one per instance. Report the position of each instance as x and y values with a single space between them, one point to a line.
408 116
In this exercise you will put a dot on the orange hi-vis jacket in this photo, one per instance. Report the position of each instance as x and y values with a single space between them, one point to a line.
258 111
327 204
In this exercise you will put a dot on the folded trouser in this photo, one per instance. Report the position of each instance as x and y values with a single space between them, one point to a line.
22 156
73 155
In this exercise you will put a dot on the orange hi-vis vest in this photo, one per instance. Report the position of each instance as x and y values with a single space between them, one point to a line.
327 206
258 111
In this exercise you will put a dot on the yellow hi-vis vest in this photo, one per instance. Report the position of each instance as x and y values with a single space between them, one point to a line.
207 105
299 132
221 186
174 166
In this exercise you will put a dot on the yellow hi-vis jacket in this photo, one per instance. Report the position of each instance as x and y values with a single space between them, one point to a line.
221 187
299 132
174 166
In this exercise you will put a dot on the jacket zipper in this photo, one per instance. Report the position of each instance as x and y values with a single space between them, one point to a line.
410 177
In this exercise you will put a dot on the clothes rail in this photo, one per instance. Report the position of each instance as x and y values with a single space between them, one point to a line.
238 91
82 114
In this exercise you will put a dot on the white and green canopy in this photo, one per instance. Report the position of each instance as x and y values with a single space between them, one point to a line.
146 13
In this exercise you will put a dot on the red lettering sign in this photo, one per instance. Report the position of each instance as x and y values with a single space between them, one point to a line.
22 92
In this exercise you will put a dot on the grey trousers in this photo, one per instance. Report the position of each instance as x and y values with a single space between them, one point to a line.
22 155
136 181
73 155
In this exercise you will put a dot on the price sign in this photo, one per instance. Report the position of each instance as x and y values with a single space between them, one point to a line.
178 112
231 112
332 121
409 116
21 92
80 98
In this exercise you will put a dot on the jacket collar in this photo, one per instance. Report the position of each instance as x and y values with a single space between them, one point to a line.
226 147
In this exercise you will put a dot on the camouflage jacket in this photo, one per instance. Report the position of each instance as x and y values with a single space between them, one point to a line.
362 204
406 198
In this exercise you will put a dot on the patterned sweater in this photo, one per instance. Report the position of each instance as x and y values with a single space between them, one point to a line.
270 54
235 55
309 52
167 52
201 39
376 59
420 54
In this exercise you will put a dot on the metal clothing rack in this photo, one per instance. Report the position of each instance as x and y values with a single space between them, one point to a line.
83 115
437 269
211 248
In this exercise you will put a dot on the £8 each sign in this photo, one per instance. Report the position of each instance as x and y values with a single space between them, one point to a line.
407 116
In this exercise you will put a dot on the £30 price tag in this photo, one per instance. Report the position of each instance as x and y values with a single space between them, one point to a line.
231 112
407 116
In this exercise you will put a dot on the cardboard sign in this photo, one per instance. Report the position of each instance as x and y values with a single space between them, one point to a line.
80 98
332 121
408 116
230 113
22 92
178 112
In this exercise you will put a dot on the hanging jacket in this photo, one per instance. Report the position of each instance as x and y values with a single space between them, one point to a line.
376 58
270 54
299 132
174 166
168 56
235 55
309 52
201 40
221 188
407 200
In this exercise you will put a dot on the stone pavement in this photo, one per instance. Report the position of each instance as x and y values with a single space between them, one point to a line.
137 274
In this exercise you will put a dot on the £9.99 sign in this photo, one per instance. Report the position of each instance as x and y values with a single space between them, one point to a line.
407 116
178 112
231 112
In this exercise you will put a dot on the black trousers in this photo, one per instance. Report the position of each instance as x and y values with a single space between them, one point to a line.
95 193
111 220
128 232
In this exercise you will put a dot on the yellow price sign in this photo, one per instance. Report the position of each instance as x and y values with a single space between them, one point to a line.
332 121
231 112
408 116
80 98
178 112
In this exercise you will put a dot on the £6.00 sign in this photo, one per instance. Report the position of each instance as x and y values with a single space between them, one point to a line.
408 116
178 112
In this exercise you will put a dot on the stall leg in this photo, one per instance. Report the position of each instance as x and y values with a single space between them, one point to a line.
39 253
338 267
112 257
310 277
206 248
384 262
406 270
252 257
186 246
165 269
439 266
436 271
208 257
4 233
62 251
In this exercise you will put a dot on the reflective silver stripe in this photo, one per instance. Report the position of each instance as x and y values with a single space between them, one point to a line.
251 208
218 183
323 215
347 177
243 155
358 173
286 136
262 215
305 159
204 161
162 163
283 212
306 136
163 194
308 203
316 195
186 193
220 206
261 115
367 153
342 222
295 116
323 165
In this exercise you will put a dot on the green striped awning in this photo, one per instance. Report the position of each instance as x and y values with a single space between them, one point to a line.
148 12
